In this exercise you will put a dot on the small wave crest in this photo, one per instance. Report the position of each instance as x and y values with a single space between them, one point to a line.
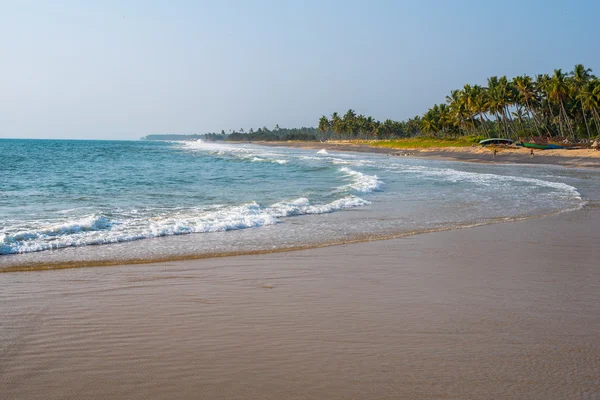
302 206
363 183
252 154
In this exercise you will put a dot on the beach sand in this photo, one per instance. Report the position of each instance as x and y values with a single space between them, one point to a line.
503 311
576 158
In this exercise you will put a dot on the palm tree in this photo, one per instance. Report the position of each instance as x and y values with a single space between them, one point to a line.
595 103
428 122
496 101
559 92
526 96
581 76
589 103
543 86
443 118
505 98
456 105
469 96
479 103
349 121
324 125
336 124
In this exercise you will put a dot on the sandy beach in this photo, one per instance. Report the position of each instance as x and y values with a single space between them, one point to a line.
575 158
508 311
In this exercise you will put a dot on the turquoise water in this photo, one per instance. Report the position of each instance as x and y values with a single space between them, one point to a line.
57 194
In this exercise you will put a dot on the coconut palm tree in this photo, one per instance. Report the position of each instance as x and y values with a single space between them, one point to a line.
444 119
337 125
495 103
525 88
594 102
324 125
479 104
580 77
559 92
428 123
543 84
458 112
589 102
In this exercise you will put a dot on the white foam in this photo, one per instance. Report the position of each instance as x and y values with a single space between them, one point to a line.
302 206
95 229
486 179
252 154
323 152
363 183
91 223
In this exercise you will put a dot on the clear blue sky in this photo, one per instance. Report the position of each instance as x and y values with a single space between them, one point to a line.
120 70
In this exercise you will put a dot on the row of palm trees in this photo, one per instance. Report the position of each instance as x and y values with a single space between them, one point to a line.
353 126
566 105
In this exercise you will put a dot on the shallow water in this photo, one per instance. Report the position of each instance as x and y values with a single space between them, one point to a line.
155 200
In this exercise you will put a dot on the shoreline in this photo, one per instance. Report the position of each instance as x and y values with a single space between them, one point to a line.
576 158
78 264
443 315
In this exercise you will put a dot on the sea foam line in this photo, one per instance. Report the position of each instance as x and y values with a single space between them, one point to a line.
487 179
98 229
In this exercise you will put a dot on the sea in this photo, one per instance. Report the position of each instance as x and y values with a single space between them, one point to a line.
86 202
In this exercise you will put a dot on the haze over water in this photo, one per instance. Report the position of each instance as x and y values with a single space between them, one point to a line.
215 197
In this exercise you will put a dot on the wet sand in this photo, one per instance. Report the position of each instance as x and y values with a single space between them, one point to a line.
504 311
575 158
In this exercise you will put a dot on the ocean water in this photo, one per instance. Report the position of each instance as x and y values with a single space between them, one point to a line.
63 200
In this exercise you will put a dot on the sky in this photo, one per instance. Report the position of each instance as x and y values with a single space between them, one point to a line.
125 69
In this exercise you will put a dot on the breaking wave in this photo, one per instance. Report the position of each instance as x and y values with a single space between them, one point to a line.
363 183
99 229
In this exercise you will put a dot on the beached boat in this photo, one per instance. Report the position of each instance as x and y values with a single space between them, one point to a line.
486 142
549 146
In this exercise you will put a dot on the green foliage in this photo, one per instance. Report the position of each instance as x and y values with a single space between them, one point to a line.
561 104
564 105
358 126
280 134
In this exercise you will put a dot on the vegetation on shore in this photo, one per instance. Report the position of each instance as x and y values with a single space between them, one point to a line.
175 136
547 107
564 105
261 134
277 134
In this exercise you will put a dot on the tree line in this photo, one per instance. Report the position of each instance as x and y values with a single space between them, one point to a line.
353 126
565 105
560 105
277 134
